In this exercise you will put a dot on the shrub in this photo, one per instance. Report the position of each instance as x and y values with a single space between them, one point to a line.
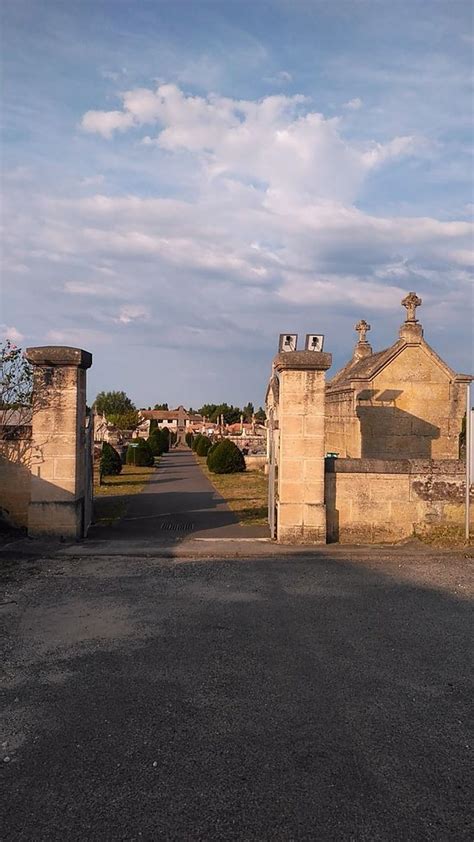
110 461
141 456
211 451
195 442
155 442
165 438
159 442
203 447
226 458
189 439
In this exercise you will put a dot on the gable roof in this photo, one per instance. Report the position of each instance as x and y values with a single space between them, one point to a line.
368 367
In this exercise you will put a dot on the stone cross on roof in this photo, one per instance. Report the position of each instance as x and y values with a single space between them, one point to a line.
411 302
362 327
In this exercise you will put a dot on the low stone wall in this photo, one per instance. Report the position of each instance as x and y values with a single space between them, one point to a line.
15 482
255 462
377 500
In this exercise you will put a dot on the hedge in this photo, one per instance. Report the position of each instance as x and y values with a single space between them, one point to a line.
142 456
226 458
110 461
203 446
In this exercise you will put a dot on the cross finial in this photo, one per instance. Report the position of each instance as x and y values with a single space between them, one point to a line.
411 302
362 327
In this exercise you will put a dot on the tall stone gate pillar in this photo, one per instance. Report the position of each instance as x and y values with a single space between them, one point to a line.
301 513
58 465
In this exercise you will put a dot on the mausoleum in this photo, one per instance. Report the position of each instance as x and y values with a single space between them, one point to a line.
401 402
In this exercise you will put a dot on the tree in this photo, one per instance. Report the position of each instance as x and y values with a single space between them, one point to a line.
161 406
124 420
248 412
213 412
261 415
16 390
113 403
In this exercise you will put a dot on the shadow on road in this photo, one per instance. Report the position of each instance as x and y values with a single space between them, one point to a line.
263 700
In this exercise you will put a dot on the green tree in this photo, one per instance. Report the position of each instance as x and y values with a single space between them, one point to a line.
113 403
124 420
261 415
161 406
213 412
248 412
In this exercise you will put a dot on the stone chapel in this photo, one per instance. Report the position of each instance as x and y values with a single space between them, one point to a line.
402 402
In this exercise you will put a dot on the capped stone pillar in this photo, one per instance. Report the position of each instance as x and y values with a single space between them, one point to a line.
58 465
301 513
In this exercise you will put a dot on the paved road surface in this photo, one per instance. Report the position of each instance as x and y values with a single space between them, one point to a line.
178 502
289 699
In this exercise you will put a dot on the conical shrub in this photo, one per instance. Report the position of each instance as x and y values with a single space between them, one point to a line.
226 459
110 461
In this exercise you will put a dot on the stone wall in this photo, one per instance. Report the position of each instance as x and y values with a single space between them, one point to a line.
15 481
377 500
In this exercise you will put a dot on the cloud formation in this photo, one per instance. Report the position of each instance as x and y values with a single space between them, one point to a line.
260 225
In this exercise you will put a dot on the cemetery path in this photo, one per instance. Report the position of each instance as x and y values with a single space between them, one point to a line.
177 503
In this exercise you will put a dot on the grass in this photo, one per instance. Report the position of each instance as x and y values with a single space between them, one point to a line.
132 480
246 494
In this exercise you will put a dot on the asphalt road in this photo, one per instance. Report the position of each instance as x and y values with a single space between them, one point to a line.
178 502
289 699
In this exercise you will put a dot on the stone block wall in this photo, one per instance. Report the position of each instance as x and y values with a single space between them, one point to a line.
386 500
15 481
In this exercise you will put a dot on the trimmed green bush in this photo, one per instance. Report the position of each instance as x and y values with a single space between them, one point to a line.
226 459
211 451
159 442
203 447
110 461
189 439
195 442
156 443
142 456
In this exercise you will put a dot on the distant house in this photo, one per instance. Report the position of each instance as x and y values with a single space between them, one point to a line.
179 420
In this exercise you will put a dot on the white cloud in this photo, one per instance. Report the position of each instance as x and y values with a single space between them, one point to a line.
353 104
10 332
262 220
132 313
278 140
77 337
280 78
106 122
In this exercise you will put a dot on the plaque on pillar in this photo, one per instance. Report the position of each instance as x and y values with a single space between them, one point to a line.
314 342
288 342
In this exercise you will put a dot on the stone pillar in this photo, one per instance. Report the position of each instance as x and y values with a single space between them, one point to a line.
300 506
58 441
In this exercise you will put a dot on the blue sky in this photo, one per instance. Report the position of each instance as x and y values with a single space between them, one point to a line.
185 180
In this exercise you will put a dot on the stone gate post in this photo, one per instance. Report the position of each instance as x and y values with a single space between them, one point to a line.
58 441
300 507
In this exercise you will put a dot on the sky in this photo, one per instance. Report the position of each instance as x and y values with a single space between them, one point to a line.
185 180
